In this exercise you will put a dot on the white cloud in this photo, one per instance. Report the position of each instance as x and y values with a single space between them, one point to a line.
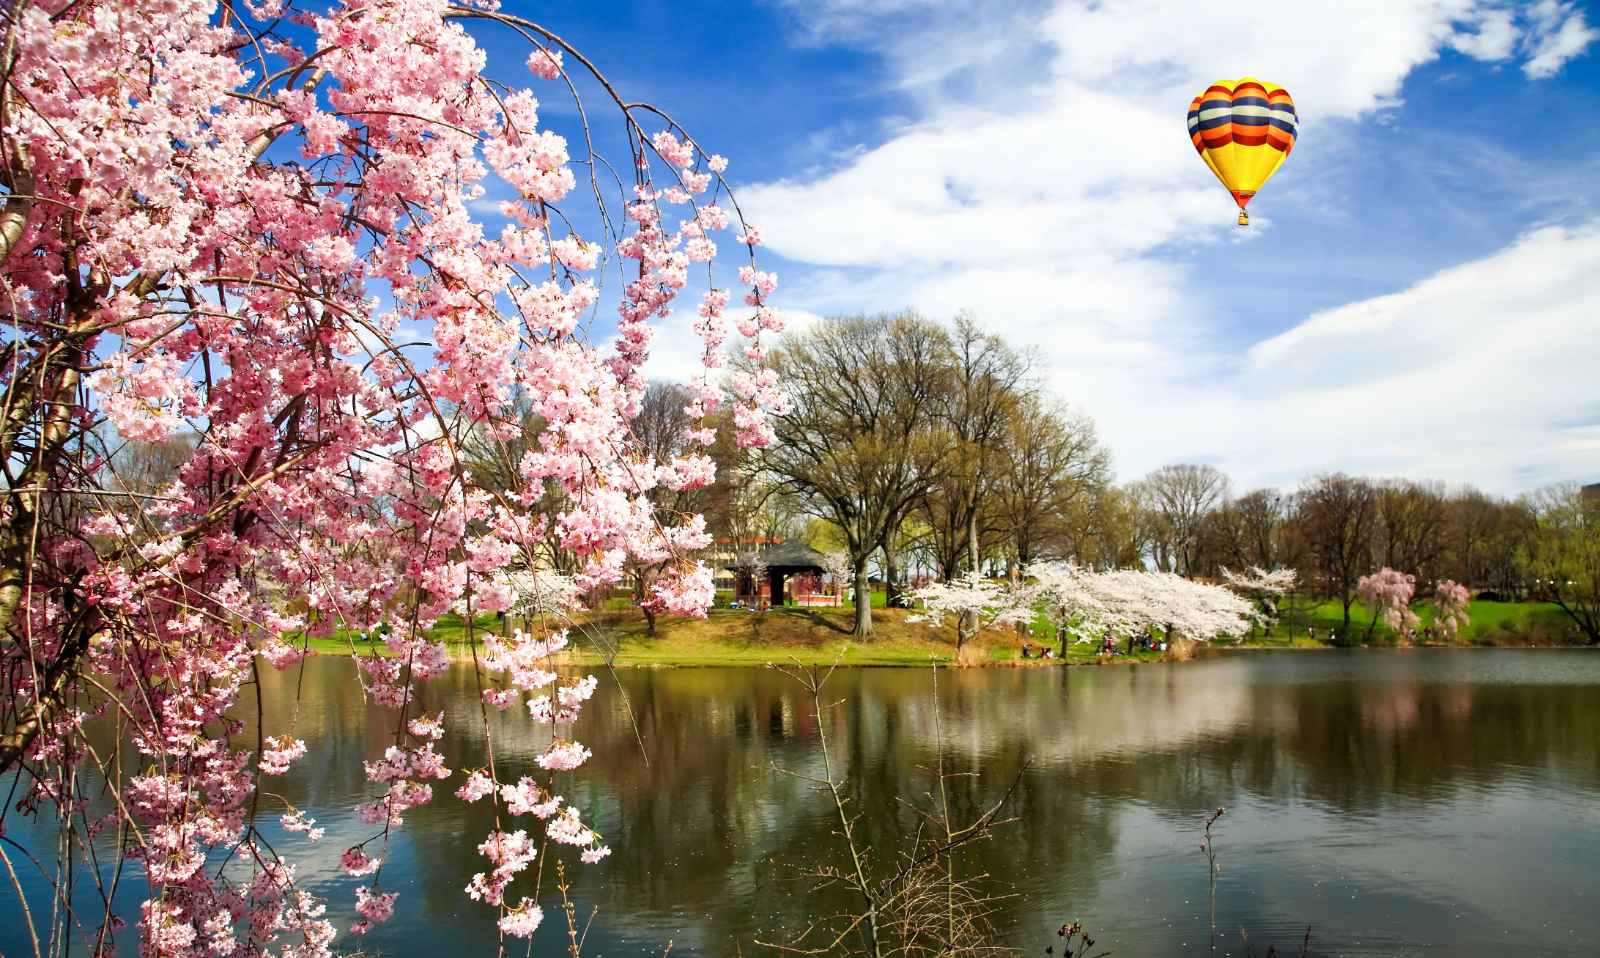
1493 37
1338 59
1481 371
1046 183
1558 33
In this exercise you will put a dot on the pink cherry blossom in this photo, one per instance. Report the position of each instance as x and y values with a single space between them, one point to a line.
296 821
279 753
356 863
1389 593
475 787
1450 600
545 63
522 921
375 908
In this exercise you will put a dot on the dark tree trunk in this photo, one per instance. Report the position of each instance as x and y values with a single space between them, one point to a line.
891 583
863 601
640 594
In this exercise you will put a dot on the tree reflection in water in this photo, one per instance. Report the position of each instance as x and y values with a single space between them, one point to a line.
1420 797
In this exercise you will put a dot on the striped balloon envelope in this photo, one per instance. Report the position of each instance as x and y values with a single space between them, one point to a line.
1244 131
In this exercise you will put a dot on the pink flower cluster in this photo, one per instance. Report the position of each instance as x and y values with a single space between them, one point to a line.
1389 593
522 921
374 909
1450 600
355 863
279 752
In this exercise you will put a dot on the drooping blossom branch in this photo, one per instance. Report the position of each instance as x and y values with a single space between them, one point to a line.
1257 581
258 231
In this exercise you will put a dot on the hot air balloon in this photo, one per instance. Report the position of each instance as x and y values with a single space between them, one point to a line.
1244 131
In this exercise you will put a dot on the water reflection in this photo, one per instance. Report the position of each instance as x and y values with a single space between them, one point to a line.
1400 803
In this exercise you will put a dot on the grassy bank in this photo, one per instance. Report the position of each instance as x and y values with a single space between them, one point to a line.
731 637
1491 624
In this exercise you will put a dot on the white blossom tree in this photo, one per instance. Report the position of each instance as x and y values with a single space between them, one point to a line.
836 565
974 601
1266 587
1065 593
1178 606
1131 602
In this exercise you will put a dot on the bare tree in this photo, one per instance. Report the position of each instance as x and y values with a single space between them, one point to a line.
1181 496
1487 535
1335 515
859 442
985 386
1261 515
1052 466
1103 530
1410 529
1242 533
149 467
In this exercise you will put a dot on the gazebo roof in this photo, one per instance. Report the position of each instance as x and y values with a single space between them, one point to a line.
792 556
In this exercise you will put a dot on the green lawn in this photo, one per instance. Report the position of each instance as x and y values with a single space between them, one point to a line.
1490 623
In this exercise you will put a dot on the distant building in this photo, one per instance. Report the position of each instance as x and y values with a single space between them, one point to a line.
1591 492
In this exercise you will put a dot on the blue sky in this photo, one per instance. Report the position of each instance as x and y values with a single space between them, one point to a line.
1418 295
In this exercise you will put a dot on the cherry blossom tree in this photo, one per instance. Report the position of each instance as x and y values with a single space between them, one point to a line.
1263 586
1257 581
974 601
1389 593
263 226
1065 593
1173 604
1450 600
836 566
1132 601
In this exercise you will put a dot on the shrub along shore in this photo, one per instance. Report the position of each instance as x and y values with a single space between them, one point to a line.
734 637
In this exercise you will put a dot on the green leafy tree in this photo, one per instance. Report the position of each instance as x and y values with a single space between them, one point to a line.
1562 557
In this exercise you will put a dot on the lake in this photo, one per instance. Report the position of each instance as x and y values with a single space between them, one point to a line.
1398 802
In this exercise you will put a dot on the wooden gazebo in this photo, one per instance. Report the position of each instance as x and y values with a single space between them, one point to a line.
785 560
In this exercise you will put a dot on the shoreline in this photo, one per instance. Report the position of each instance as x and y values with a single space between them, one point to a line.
791 636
